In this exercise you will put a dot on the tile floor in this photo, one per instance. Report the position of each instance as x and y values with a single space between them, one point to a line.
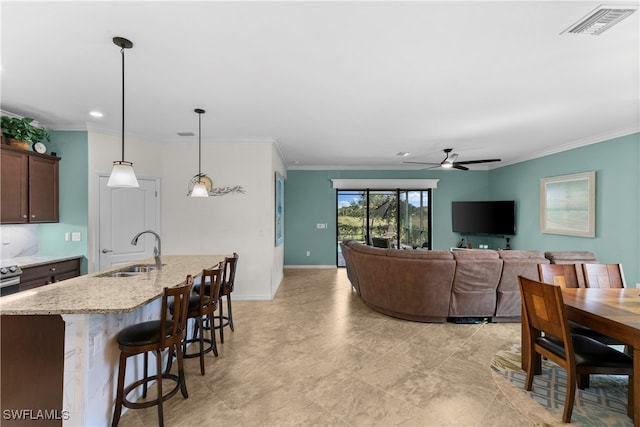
317 356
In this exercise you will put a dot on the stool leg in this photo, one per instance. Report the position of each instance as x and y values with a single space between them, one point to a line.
212 333
120 390
181 379
146 371
201 336
159 385
229 311
221 320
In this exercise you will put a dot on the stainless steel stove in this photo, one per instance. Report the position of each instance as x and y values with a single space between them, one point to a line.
9 279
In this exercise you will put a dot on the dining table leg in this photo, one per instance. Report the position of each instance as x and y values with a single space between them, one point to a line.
634 409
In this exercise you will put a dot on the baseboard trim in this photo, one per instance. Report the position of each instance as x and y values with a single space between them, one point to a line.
310 266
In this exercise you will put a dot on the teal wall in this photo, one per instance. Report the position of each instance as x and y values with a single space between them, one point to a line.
73 148
310 199
617 200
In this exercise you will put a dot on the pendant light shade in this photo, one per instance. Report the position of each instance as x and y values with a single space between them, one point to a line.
199 187
122 174
199 190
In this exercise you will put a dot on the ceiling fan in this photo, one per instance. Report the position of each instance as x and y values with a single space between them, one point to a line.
450 161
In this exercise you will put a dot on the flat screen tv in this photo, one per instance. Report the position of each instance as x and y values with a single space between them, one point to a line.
489 217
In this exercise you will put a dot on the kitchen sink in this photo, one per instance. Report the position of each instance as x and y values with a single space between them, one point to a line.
139 269
121 274
130 271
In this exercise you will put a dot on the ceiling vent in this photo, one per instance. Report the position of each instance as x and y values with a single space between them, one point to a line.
185 133
601 19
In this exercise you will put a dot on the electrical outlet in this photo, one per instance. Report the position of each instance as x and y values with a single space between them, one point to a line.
75 236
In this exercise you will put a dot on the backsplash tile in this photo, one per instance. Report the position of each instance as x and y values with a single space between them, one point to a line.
18 240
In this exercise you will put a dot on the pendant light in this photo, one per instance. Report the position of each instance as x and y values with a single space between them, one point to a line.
200 188
122 174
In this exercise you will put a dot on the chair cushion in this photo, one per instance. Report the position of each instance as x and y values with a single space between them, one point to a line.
588 352
142 333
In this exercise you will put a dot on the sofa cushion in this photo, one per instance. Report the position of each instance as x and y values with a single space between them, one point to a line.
473 293
516 263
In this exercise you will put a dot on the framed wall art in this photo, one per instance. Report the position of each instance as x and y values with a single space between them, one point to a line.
567 204
279 209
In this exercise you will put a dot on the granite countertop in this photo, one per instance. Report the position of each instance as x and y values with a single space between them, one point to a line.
35 260
92 294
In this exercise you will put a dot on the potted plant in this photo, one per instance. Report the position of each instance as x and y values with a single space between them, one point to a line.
19 132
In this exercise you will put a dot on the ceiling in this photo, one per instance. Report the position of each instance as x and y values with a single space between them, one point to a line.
335 84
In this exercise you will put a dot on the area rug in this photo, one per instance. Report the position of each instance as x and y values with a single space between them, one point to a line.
604 403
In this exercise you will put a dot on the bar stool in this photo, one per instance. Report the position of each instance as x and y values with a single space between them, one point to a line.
201 308
154 336
226 289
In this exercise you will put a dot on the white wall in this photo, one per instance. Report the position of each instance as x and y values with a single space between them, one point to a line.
221 225
277 267
243 223
104 149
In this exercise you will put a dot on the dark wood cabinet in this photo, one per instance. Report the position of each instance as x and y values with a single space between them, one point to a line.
29 188
40 275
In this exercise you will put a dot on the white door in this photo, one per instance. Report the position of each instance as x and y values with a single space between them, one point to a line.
124 212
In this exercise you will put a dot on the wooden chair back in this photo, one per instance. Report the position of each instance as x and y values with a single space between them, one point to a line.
229 278
173 331
543 309
563 275
603 275
211 293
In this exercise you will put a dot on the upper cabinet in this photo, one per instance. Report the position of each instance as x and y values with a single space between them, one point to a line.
29 187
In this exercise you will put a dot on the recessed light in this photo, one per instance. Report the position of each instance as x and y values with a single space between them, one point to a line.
402 153
96 114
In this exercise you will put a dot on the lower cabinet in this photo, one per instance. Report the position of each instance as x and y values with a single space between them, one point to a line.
45 274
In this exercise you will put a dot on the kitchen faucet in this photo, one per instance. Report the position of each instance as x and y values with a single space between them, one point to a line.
156 250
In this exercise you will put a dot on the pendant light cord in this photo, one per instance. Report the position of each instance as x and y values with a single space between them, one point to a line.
122 54
199 146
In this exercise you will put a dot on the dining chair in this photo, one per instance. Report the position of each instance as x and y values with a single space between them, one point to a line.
380 242
154 336
565 276
603 275
549 336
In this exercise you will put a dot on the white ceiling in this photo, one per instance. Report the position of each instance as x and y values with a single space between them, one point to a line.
335 84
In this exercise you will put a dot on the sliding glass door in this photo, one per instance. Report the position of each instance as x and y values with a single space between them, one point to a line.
414 219
386 218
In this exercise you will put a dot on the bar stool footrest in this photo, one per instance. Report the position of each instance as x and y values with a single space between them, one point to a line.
207 349
146 404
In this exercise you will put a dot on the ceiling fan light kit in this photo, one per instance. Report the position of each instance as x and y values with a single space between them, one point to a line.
450 161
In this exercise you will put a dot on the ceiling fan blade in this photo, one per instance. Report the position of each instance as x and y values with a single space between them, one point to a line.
423 163
459 166
473 162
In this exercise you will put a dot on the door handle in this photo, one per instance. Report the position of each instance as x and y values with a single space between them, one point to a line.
105 251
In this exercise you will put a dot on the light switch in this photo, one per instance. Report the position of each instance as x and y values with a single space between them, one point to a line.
75 236
67 236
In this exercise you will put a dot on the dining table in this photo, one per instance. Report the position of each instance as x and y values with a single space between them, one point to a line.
616 313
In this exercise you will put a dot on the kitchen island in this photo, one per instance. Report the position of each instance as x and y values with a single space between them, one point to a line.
66 332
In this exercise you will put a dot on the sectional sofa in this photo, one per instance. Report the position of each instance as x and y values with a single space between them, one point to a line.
436 286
